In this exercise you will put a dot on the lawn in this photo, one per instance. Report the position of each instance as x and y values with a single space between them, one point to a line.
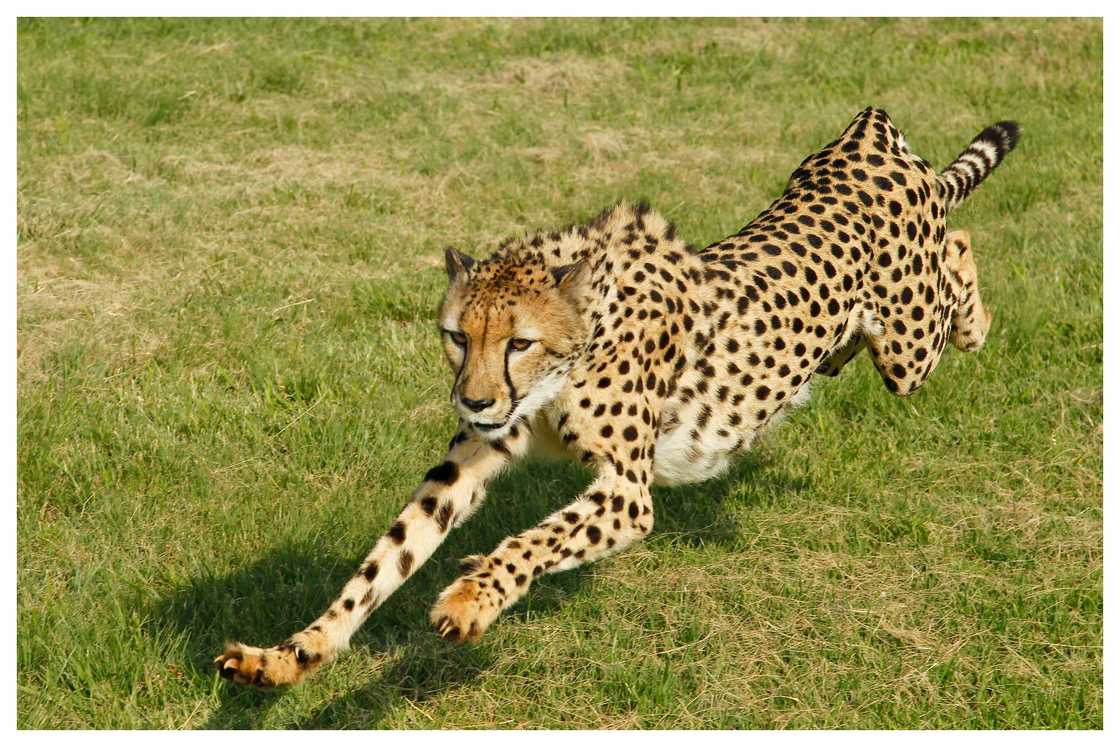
229 260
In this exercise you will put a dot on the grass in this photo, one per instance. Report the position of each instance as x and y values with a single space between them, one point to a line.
229 262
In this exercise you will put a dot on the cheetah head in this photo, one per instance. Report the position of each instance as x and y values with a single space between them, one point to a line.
510 325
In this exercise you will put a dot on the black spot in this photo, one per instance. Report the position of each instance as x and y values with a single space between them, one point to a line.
447 473
443 518
428 504
370 571
404 563
594 534
397 532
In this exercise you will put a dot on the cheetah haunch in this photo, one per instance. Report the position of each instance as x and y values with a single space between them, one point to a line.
650 362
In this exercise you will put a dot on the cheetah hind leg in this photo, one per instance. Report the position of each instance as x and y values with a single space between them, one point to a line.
861 322
971 319
834 364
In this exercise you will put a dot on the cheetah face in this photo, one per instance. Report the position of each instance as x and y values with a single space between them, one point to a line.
509 326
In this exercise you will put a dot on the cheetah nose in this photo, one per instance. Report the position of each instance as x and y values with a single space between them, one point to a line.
477 405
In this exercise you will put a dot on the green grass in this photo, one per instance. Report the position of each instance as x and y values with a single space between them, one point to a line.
229 262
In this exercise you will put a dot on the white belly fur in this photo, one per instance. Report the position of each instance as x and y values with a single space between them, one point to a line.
678 460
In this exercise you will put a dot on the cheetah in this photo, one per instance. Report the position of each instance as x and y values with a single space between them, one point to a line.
651 362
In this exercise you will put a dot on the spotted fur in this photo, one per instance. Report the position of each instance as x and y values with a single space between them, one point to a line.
651 362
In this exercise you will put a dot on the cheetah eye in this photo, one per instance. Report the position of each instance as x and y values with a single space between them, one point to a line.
520 344
456 337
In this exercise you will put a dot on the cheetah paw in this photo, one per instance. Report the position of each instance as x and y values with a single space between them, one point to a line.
285 664
464 611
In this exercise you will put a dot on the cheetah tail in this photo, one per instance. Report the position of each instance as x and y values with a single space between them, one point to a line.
980 158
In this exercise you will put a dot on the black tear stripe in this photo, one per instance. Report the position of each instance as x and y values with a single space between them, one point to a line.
516 400
458 375
446 473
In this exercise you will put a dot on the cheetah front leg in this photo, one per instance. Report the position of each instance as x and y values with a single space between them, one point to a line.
610 515
613 428
448 495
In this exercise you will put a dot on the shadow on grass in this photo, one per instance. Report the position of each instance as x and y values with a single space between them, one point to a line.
276 595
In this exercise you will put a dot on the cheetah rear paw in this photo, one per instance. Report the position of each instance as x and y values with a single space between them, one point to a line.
465 610
285 664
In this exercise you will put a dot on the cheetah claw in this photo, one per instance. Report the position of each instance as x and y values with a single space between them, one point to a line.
463 612
286 664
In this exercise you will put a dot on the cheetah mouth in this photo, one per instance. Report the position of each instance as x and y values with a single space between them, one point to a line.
491 427
484 427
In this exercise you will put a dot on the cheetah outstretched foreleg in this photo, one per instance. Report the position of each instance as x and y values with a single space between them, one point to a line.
610 515
450 492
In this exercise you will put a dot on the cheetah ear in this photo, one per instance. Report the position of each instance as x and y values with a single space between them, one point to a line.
571 279
568 275
458 264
